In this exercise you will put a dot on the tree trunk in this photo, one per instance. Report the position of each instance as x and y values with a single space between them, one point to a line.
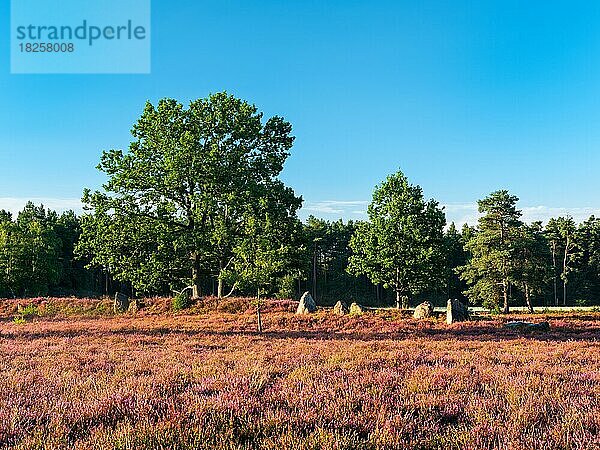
314 293
258 318
220 289
505 310
405 301
528 298
220 281
196 288
398 293
564 274
554 272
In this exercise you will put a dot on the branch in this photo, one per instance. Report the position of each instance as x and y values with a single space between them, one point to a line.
232 289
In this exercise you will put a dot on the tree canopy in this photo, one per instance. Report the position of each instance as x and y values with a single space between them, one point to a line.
494 249
401 245
177 205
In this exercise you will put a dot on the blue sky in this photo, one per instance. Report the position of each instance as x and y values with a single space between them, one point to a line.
464 97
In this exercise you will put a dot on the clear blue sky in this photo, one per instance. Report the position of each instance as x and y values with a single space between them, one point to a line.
464 97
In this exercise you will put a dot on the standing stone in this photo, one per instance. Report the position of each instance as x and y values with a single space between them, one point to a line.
355 308
121 303
423 311
341 308
456 312
307 305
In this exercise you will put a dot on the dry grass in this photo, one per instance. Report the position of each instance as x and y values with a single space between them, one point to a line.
158 380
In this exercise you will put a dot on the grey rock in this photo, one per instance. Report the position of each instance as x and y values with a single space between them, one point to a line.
341 308
423 311
355 308
121 303
456 311
527 326
307 305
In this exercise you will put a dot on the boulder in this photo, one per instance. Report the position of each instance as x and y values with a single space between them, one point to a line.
121 303
423 311
527 326
307 305
456 311
340 308
355 308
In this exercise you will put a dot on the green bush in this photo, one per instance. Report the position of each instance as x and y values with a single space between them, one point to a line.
287 287
181 301
19 320
29 311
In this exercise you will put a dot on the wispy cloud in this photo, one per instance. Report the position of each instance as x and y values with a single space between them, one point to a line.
459 213
337 207
543 213
16 204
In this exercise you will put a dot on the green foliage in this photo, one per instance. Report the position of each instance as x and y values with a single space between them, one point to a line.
189 193
327 259
287 287
494 250
456 256
401 246
29 311
36 253
271 246
563 236
181 301
19 320
533 265
29 252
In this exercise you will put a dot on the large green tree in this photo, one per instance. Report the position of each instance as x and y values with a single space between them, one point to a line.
177 204
494 251
30 252
328 244
401 245
587 269
533 263
561 233
456 256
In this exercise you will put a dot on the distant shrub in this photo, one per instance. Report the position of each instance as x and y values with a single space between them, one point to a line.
494 308
47 310
29 311
583 302
19 320
287 287
181 301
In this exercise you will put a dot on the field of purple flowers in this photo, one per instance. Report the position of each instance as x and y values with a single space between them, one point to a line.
158 380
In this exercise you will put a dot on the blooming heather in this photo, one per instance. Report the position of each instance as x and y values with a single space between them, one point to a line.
376 381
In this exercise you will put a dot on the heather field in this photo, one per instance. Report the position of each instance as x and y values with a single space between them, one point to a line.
75 376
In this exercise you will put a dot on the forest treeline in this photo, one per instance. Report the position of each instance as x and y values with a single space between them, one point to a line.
196 205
